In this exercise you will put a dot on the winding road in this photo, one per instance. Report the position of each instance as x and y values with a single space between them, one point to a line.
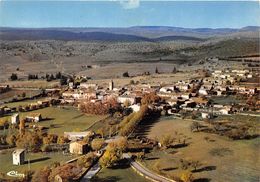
146 172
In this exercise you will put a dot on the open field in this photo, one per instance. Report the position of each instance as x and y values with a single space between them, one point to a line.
220 157
226 100
59 120
164 78
124 174
37 160
9 95
39 84
21 103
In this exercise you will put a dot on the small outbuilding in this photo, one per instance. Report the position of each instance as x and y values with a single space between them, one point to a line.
79 147
15 119
18 156
206 115
34 117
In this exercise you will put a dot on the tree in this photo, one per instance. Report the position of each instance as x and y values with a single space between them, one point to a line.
156 70
62 140
166 140
121 143
101 131
174 70
22 126
97 144
63 80
132 82
41 175
50 138
13 77
195 165
187 176
58 75
11 140
150 98
67 172
140 155
195 126
87 160
125 74
31 141
110 157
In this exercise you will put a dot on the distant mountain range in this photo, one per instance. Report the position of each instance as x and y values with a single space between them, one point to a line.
132 34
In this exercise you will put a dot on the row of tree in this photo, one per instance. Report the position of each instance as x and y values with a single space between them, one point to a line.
130 122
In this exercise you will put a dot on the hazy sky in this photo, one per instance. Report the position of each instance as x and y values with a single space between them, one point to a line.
192 14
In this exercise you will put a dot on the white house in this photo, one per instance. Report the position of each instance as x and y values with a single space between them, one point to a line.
15 118
73 136
18 156
135 107
87 85
225 111
206 115
123 99
34 117
203 91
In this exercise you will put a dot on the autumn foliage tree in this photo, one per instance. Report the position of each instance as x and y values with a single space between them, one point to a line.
31 141
150 98
100 108
87 160
67 172
111 156
41 175
130 122
97 143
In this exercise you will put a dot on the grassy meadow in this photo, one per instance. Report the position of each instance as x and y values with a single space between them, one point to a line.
37 160
220 157
62 119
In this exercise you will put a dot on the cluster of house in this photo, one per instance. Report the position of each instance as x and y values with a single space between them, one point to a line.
184 95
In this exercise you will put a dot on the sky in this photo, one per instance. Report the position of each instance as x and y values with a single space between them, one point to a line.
113 13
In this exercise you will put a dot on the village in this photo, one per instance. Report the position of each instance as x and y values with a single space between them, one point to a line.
118 136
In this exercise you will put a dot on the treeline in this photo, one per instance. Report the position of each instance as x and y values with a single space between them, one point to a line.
48 77
34 141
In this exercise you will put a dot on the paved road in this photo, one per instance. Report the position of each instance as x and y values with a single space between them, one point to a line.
91 173
145 171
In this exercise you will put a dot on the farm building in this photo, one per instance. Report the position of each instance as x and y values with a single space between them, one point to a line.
206 115
15 119
34 117
73 136
79 147
18 156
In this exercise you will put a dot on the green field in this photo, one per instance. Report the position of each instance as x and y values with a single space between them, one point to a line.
60 120
119 175
37 160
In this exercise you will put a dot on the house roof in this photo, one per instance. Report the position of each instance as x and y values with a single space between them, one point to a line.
34 115
18 151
